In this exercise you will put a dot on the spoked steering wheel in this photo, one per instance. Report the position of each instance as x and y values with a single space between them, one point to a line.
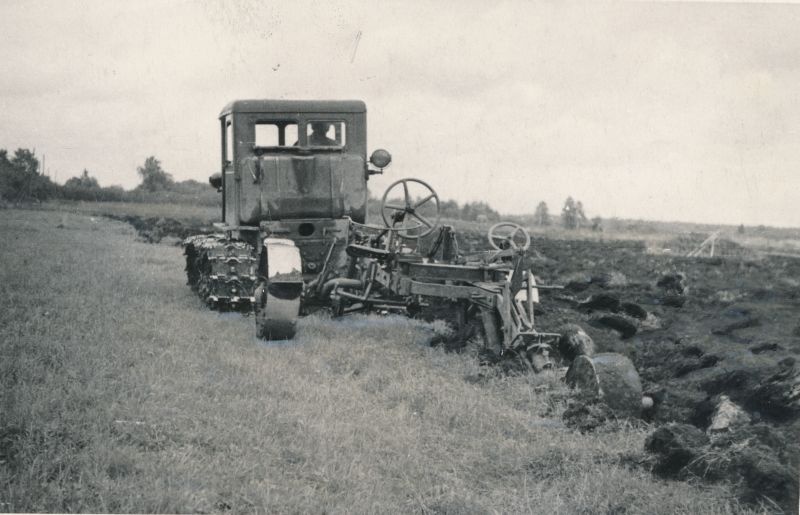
512 234
417 213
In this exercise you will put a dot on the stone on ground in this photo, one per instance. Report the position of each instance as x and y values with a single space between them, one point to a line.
610 377
727 416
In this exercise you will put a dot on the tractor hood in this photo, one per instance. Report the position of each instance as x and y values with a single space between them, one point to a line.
290 186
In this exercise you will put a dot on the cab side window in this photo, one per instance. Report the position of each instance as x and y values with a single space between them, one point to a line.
229 140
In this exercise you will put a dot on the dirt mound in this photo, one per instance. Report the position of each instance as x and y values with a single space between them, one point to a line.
676 446
586 413
155 229
754 457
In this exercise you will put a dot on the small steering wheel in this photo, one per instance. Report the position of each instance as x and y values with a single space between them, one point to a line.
507 232
407 217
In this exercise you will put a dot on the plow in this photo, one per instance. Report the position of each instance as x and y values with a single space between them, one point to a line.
384 272
294 240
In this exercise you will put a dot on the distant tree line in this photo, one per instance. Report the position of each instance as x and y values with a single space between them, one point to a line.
22 180
477 211
572 216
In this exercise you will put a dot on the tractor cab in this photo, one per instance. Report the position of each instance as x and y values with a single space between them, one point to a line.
287 160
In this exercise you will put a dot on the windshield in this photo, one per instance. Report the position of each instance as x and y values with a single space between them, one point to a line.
275 134
325 133
287 135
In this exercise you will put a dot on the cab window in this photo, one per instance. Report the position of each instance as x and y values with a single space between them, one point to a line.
275 134
325 133
228 140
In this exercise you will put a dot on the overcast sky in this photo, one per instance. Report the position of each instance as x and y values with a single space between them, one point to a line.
670 111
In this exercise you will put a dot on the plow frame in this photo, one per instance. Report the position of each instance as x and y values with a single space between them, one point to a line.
389 274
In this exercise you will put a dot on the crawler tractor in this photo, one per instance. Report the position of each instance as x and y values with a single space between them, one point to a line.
294 237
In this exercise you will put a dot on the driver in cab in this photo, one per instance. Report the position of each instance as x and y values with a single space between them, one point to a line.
318 137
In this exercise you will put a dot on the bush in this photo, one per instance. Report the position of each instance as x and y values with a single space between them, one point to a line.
87 188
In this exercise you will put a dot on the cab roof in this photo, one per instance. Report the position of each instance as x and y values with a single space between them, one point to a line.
294 106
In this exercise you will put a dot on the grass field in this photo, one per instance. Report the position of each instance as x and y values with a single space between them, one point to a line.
121 393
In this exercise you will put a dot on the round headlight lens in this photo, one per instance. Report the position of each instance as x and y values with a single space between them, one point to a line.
380 158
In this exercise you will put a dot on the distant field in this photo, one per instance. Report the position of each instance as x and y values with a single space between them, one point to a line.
121 393
658 236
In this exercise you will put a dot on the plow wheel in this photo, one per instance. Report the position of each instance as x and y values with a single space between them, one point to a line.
417 214
510 234
279 290
611 377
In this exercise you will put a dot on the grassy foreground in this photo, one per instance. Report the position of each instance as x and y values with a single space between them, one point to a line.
121 393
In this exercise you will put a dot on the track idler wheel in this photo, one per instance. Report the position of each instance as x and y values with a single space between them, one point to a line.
279 291
612 378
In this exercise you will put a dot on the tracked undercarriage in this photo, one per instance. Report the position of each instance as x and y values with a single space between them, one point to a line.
221 271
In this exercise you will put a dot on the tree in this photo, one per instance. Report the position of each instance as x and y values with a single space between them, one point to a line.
20 178
569 215
572 214
472 210
154 178
85 181
597 224
542 214
450 209
25 160
5 165
580 215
